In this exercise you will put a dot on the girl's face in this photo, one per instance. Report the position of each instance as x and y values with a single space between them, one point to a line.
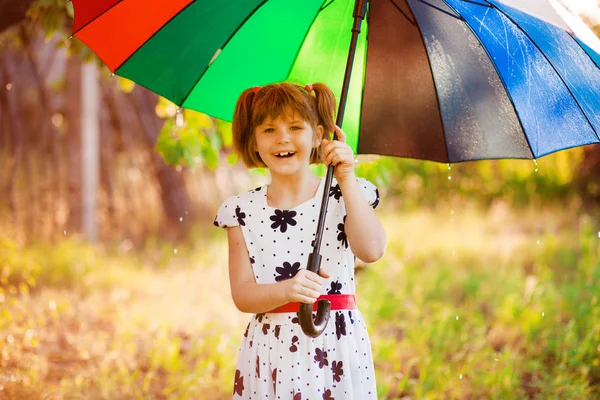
286 142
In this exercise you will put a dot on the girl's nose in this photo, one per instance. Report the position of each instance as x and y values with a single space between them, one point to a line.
284 136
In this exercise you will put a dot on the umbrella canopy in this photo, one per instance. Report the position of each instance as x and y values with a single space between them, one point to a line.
441 80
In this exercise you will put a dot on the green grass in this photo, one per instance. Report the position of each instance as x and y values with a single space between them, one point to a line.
494 305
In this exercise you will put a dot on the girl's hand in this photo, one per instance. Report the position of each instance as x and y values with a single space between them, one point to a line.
339 153
305 287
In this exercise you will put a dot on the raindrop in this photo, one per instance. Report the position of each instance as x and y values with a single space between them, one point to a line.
52 305
1 298
356 160
460 376
457 317
453 252
451 211
599 234
175 251
449 167
538 242
451 220
543 314
179 118
495 359
180 219
65 232
10 339
449 177
9 86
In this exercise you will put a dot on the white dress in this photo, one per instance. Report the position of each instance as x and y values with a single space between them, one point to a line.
276 359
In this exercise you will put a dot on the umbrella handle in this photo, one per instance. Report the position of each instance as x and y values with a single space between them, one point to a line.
310 328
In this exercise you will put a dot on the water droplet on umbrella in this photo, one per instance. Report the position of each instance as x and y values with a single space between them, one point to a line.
180 219
543 313
538 242
460 376
175 251
9 86
457 317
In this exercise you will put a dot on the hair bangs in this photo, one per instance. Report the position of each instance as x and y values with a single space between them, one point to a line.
280 100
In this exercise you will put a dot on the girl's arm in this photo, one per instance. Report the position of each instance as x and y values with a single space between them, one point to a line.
252 297
362 227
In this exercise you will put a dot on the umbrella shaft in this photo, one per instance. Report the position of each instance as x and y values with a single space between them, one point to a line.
360 8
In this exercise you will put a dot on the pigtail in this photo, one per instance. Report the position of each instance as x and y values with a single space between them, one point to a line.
325 105
243 137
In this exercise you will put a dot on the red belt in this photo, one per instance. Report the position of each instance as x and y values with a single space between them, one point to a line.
338 302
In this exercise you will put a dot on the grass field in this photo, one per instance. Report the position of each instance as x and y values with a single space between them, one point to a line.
477 304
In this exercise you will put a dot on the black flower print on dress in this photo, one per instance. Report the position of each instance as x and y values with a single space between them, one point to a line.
257 366
240 216
274 378
327 395
338 370
340 325
342 234
321 357
335 192
288 271
238 383
298 396
265 328
376 202
336 288
293 347
247 329
350 316
282 218
252 260
259 317
277 330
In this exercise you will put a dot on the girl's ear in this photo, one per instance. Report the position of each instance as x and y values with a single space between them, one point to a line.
318 136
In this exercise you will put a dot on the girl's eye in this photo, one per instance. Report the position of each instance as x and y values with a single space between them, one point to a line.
268 130
295 128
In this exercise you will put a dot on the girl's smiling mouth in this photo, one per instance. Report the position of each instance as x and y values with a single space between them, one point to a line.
284 154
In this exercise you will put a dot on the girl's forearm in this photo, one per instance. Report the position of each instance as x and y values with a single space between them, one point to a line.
256 298
363 229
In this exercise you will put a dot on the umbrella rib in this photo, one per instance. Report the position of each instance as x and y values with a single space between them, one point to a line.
501 81
586 53
488 5
437 95
403 13
222 47
96 17
324 6
553 67
292 64
154 34
440 10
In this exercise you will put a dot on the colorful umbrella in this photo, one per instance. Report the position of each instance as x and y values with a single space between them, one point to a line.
441 80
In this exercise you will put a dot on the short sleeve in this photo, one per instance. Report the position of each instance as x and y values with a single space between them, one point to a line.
370 192
227 216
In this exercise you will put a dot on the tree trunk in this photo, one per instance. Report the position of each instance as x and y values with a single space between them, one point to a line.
72 145
12 12
173 193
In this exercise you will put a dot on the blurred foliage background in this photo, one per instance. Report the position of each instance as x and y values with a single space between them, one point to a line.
489 288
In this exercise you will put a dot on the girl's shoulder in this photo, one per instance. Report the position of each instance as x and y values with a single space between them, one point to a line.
234 209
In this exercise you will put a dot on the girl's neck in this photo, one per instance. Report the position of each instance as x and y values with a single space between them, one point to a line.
289 191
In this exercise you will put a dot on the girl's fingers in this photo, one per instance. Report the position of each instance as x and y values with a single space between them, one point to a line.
340 135
323 272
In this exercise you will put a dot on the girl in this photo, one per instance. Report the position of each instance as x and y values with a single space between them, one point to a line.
285 127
